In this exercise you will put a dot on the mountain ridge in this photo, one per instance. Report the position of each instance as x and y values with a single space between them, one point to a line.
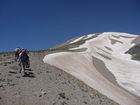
110 48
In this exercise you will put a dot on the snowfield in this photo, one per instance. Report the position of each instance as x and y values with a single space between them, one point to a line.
104 66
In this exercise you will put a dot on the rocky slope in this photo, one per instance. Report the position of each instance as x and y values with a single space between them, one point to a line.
44 84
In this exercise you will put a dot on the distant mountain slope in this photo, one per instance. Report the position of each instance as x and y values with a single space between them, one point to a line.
104 62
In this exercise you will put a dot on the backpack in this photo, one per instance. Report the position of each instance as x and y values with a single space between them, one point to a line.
24 57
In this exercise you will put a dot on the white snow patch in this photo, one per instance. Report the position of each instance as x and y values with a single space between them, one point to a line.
88 36
76 40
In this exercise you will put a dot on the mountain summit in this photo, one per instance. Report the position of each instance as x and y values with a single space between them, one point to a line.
107 62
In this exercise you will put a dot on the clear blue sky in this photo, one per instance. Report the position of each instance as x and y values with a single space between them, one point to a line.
42 24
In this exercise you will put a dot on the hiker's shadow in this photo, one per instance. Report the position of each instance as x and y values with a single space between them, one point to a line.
29 73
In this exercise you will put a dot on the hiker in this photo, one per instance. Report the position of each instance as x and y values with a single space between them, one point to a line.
24 57
17 52
21 54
